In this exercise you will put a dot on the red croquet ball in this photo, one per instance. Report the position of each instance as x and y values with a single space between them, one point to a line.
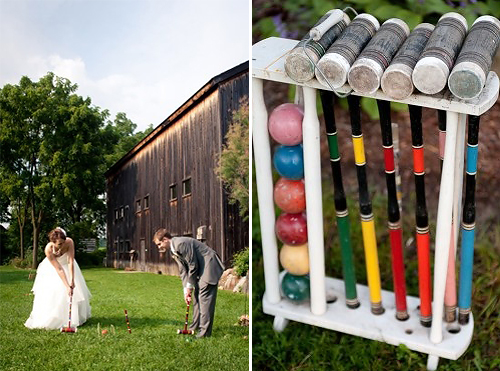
104 332
291 229
290 195
285 124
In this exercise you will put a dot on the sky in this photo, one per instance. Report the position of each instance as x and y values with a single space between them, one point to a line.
141 57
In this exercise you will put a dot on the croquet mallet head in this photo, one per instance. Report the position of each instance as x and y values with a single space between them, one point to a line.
69 330
185 332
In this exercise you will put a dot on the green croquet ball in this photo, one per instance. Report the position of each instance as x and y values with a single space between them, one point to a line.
296 288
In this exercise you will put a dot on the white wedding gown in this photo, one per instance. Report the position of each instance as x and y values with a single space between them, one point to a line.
51 303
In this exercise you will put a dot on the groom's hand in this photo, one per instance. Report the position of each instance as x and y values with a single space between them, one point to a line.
187 296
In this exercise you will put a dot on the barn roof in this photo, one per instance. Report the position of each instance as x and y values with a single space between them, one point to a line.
210 86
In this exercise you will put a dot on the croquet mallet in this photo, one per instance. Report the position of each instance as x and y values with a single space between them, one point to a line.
69 329
186 331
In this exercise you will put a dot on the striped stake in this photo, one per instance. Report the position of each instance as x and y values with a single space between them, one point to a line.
468 224
340 201
450 288
421 216
395 231
128 323
367 222
450 297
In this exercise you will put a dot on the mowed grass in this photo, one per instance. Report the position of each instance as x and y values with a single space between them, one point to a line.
156 310
303 347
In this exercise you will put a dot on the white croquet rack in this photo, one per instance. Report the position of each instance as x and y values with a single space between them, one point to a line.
446 340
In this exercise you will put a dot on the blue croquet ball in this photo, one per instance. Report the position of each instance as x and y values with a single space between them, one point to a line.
289 161
296 288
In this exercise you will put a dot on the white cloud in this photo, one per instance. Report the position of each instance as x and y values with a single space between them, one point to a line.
144 58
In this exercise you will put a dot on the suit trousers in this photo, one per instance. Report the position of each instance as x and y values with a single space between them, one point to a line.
203 303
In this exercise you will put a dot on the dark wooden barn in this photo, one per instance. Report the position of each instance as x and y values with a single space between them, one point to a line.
168 180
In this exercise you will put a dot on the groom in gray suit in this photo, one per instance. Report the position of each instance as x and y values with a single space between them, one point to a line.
200 269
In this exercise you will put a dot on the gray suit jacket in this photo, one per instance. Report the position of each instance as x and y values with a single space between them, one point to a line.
197 262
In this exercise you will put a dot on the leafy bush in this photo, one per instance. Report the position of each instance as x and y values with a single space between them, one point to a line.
240 262
27 262
232 168
90 259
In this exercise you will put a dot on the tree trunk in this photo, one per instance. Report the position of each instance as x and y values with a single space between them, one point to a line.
37 222
21 239
21 221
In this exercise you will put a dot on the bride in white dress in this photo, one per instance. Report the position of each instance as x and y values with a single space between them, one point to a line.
58 276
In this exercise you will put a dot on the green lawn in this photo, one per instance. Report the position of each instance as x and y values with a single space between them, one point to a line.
303 347
156 310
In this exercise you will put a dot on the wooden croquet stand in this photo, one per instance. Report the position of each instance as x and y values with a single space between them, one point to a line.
446 340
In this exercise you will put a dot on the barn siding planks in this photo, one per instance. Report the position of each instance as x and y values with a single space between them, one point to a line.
185 146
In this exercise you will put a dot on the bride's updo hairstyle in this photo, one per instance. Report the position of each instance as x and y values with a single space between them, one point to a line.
57 234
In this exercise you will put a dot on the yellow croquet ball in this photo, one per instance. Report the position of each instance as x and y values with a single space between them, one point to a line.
295 259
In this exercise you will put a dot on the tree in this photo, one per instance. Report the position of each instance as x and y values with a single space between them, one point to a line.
53 151
125 136
55 148
233 164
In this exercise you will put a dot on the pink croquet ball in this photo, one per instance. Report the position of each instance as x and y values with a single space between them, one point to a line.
285 124
104 332
290 195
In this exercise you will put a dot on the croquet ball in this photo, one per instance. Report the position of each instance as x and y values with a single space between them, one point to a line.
295 259
285 124
295 288
104 332
291 229
290 195
289 161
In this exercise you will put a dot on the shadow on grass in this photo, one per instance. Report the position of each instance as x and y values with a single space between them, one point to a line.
135 322
14 277
232 331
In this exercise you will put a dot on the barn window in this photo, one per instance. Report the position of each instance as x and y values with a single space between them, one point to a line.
146 202
138 205
173 192
186 187
122 213
116 214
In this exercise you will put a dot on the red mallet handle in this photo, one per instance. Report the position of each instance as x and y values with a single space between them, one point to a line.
187 315
128 323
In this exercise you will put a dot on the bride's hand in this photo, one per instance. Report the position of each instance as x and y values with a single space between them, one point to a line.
70 290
